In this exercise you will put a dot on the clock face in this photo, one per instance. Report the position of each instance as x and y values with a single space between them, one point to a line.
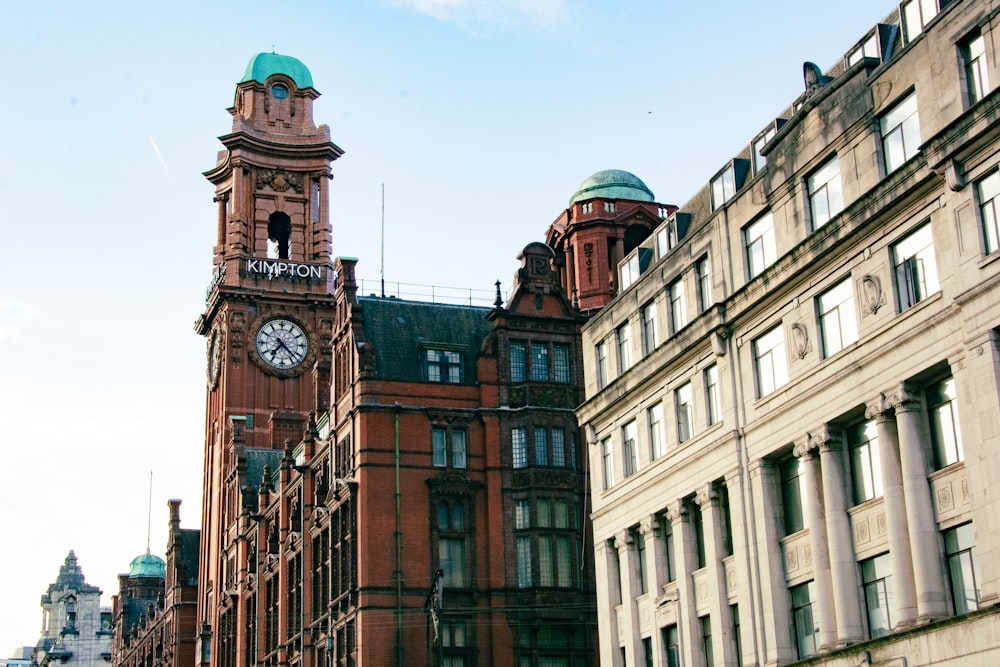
282 344
214 358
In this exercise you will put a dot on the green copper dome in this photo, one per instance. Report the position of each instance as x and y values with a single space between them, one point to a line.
264 65
613 184
147 565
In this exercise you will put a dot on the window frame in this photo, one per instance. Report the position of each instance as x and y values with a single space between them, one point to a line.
759 244
684 411
447 361
899 126
630 448
946 434
623 343
677 298
838 319
601 353
803 597
865 462
703 277
452 451
657 431
962 563
989 210
713 395
519 447
824 186
723 187
773 359
650 327
975 67
914 268
877 587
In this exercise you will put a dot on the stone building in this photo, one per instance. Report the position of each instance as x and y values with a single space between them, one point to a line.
76 630
795 452
390 481
154 614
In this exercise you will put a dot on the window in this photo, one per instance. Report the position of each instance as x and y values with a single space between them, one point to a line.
867 49
439 445
523 561
791 476
963 567
684 404
866 470
629 271
900 133
519 447
657 435
539 362
453 643
558 447
806 625
946 437
678 310
518 366
769 361
918 13
650 333
838 321
624 337
672 645
974 57
915 269
560 363
444 366
541 446
607 464
630 464
723 187
698 526
759 161
647 651
555 549
667 535
703 274
706 639
987 191
759 240
826 197
666 238
713 400
451 554
602 363
876 577
727 519
451 516
640 559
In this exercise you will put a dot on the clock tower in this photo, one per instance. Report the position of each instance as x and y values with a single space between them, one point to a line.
268 320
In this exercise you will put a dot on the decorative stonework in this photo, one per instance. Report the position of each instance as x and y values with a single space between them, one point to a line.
801 344
862 533
881 524
237 325
792 559
279 180
872 296
945 498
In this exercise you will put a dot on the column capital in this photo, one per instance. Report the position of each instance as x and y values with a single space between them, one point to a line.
901 399
804 448
624 541
879 409
648 525
677 511
707 497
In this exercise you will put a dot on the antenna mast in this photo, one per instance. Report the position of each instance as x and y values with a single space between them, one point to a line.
382 259
149 510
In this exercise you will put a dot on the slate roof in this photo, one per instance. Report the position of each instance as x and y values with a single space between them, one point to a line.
400 331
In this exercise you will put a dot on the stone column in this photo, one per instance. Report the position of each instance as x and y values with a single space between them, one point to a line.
629 617
687 563
928 572
840 542
712 520
608 588
738 577
814 510
895 513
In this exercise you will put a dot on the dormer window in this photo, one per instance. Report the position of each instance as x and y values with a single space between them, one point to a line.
279 91
723 187
867 49
587 208
443 365
609 207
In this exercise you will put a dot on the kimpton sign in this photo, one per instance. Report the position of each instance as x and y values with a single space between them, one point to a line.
278 268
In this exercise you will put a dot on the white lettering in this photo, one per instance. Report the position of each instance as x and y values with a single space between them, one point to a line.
275 269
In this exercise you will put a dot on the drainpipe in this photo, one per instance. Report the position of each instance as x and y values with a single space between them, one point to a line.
399 552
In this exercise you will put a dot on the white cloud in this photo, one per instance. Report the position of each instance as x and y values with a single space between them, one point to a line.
540 13
12 315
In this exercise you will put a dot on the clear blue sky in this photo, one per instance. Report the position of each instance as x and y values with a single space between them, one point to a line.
481 117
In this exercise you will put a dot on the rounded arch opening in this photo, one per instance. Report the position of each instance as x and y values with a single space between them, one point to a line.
279 232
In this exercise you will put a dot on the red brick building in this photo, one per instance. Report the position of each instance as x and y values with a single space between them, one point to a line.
154 615
390 482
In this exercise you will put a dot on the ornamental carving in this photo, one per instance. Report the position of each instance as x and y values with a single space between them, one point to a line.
946 500
872 296
237 324
800 340
279 180
862 534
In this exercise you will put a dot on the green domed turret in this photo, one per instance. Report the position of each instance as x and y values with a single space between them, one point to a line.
263 65
613 184
147 566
